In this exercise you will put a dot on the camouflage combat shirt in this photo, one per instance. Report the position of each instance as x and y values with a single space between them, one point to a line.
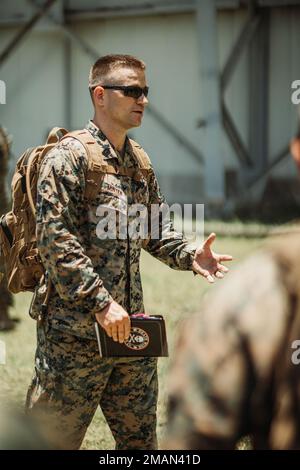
86 271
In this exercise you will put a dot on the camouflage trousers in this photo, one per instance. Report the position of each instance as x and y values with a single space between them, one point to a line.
71 380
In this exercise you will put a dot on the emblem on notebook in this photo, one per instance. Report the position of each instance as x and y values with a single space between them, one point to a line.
138 339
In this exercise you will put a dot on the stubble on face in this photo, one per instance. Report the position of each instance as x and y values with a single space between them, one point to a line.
122 110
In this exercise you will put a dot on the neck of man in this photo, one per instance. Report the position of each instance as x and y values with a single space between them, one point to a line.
113 132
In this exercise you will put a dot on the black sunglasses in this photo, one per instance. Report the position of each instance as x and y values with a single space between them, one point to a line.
132 91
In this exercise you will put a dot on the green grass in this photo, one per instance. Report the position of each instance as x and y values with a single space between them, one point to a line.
173 294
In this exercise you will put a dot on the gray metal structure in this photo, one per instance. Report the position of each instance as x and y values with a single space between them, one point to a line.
216 123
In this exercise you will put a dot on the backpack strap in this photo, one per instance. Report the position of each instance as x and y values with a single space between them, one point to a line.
90 145
55 135
30 161
142 158
97 166
6 230
95 157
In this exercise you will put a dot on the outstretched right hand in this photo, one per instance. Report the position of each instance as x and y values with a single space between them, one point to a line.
115 321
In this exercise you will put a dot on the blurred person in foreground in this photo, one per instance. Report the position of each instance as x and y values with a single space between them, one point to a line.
237 364
21 432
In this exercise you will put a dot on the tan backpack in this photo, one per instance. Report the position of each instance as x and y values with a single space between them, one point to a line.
18 242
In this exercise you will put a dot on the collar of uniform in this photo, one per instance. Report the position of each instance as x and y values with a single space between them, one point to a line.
109 150
129 149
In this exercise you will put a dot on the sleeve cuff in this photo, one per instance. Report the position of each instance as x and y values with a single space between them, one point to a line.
101 300
187 257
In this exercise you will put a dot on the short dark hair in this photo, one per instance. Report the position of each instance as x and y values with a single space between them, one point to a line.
106 64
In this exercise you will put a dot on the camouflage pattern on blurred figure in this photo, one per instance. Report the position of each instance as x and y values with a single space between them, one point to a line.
21 432
5 296
87 272
233 373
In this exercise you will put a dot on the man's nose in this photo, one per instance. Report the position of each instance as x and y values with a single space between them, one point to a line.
143 100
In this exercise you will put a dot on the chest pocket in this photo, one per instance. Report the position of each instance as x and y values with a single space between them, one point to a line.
102 185
111 185
112 195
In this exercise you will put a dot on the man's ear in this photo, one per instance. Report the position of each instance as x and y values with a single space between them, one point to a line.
295 150
98 94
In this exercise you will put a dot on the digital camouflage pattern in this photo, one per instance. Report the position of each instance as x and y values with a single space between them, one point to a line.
86 271
70 378
233 373
71 381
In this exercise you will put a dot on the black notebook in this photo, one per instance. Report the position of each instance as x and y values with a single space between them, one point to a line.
147 338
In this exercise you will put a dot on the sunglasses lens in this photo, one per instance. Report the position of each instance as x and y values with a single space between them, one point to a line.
136 92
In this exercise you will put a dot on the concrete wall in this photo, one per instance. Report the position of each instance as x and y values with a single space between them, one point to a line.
284 69
35 85
38 82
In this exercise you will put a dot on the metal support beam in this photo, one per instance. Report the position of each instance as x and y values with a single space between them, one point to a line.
242 41
68 82
174 132
75 11
210 102
259 180
284 153
24 31
235 138
258 96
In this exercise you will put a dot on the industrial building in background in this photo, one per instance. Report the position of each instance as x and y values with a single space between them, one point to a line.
220 73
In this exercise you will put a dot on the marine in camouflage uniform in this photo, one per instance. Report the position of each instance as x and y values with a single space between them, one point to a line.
86 273
6 300
91 276
233 373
